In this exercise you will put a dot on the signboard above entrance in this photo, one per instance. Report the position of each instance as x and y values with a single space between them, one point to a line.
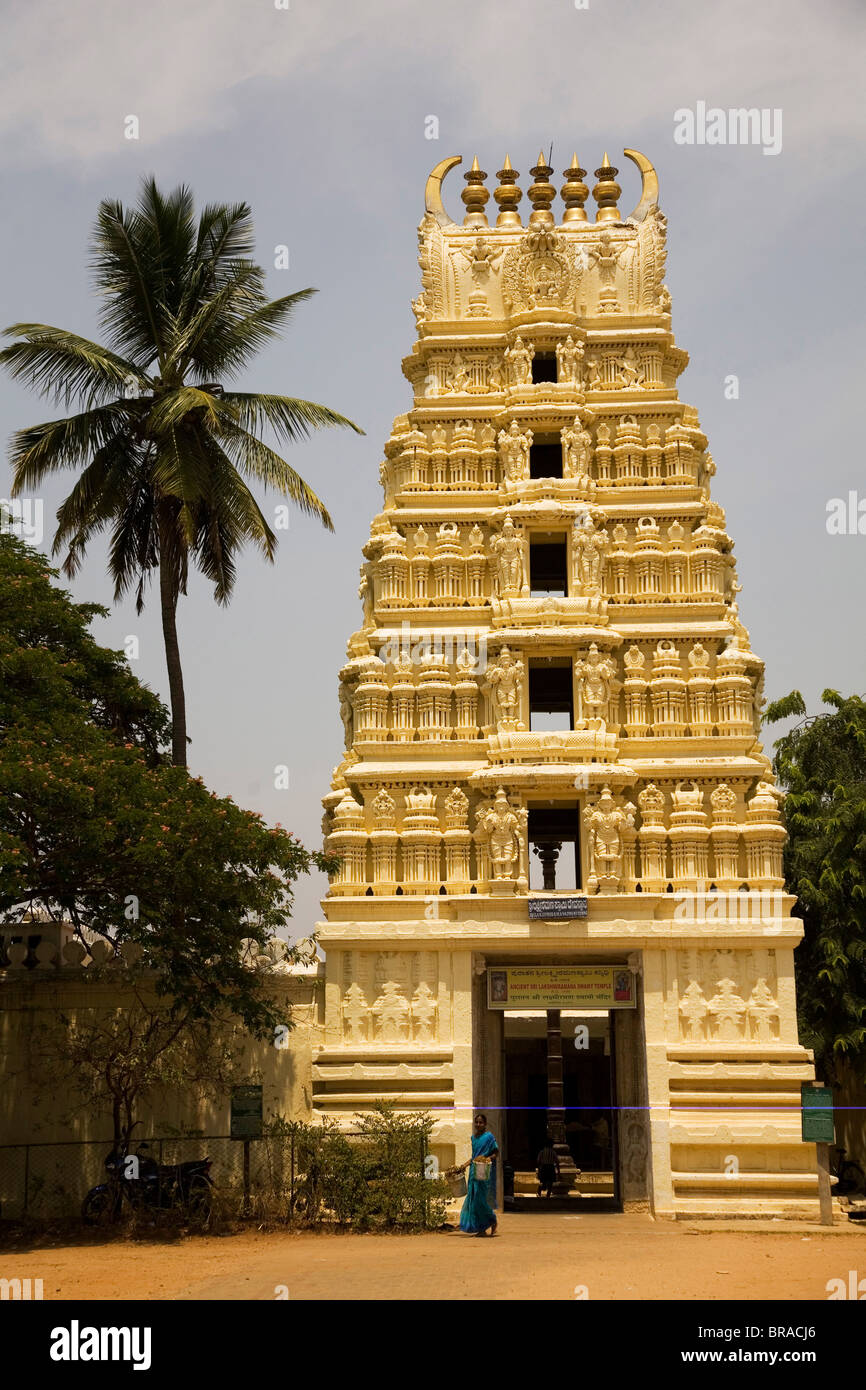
557 909
560 987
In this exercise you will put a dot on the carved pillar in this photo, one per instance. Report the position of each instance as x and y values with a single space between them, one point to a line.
603 453
383 840
466 709
734 697
653 839
634 689
548 852
421 840
348 841
668 693
764 837
725 838
556 1104
458 843
689 837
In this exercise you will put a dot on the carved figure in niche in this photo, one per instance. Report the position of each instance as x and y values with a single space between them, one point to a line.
634 659
384 808
499 829
728 1009
391 1014
508 554
347 714
365 594
514 447
482 258
424 1008
693 1007
456 808
355 1015
763 1010
519 359
577 451
636 1150
458 376
606 256
588 549
631 373
595 675
595 382
504 683
568 359
605 823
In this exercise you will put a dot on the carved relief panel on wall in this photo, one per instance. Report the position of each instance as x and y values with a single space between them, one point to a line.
726 996
390 997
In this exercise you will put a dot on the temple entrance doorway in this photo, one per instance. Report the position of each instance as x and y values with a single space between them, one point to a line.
540 1047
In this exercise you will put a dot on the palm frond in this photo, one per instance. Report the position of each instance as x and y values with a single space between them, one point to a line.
100 493
43 449
256 460
233 342
290 419
63 366
172 408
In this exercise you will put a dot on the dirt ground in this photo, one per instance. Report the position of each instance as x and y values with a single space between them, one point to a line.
535 1256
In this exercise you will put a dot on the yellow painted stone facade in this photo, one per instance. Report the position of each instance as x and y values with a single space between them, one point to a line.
546 430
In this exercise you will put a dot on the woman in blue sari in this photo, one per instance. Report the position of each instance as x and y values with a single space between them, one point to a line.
477 1215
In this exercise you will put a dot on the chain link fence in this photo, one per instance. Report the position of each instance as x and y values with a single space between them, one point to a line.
302 1173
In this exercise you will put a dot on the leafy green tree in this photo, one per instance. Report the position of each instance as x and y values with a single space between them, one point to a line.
821 762
165 451
98 828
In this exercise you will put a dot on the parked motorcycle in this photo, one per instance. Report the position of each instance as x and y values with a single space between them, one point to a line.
138 1181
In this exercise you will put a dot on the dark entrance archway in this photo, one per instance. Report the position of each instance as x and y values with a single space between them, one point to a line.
589 1107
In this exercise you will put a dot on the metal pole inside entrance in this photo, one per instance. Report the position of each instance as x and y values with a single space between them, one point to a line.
556 1105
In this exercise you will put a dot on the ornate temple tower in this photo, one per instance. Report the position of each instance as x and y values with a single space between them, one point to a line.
551 657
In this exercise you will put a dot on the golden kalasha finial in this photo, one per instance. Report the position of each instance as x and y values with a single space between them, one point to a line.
574 192
475 196
606 192
541 194
508 195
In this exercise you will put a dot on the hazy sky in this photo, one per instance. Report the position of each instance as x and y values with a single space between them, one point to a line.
315 114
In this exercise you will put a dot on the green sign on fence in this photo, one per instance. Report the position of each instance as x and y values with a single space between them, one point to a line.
246 1112
817 1114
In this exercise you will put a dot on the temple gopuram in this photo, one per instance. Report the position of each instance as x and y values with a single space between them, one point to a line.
560 895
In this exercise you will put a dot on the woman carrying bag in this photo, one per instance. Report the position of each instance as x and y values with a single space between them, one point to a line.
477 1215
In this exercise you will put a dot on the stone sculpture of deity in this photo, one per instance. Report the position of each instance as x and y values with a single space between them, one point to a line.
499 830
568 359
504 684
605 823
514 448
595 675
507 550
577 451
519 358
588 550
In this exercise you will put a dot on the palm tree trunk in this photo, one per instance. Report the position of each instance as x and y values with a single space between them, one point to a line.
168 601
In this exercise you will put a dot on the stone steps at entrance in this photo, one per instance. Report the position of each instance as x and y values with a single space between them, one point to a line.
598 1184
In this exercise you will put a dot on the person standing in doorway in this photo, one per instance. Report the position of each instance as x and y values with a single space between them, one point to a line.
547 1168
477 1215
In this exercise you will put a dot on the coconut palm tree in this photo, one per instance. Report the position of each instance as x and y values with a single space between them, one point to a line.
164 449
